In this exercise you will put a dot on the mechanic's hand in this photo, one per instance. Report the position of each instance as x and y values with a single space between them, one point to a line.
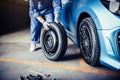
56 18
46 25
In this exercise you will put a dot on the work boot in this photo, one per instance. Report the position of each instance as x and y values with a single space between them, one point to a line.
32 47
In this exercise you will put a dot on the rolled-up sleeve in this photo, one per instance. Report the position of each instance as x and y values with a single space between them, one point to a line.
57 5
36 13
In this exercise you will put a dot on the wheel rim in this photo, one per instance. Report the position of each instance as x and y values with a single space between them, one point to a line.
50 42
86 41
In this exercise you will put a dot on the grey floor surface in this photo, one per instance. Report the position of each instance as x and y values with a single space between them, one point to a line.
16 60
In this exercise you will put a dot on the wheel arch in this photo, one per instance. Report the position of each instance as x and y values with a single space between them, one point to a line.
93 16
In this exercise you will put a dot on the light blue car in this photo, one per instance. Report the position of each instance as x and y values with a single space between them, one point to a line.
94 25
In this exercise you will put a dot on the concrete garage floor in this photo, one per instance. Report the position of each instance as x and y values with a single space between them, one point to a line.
16 60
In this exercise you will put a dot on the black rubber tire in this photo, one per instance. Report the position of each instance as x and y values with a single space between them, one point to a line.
54 42
89 42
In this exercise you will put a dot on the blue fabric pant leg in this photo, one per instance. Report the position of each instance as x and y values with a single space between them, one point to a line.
35 30
36 27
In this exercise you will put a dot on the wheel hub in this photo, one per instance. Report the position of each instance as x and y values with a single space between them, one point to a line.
50 41
86 41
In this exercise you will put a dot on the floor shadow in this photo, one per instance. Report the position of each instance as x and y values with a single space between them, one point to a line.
38 48
69 57
72 53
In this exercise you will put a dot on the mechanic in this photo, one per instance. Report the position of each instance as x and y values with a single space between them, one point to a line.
42 12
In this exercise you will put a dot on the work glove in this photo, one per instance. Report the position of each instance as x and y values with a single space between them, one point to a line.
46 25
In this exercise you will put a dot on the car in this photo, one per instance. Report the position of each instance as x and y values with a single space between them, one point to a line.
93 25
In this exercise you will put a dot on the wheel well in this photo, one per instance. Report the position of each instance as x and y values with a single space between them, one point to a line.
81 17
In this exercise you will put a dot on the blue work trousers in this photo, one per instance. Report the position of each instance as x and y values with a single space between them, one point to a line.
35 26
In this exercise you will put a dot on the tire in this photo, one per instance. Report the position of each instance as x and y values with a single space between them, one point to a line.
54 42
88 41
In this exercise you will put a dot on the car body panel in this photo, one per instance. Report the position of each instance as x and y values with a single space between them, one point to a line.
107 24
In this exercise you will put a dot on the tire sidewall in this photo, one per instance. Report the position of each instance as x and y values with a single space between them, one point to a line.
61 39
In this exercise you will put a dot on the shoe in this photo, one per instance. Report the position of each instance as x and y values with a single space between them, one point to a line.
32 47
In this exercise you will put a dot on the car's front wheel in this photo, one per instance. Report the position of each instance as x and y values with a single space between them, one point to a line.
54 42
88 41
